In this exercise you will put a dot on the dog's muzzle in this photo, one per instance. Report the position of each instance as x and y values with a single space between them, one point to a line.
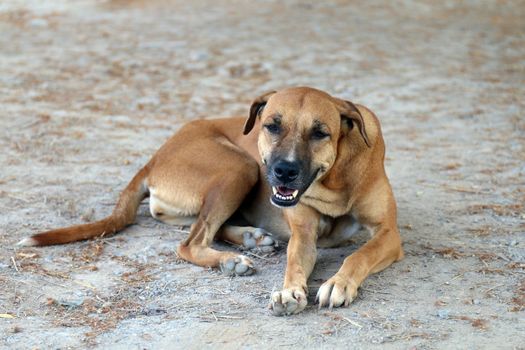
284 178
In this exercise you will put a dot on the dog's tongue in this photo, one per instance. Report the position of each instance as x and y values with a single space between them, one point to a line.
285 191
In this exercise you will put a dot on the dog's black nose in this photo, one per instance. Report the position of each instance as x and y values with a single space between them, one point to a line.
286 171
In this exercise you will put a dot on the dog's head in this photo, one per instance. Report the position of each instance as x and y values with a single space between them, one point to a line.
299 137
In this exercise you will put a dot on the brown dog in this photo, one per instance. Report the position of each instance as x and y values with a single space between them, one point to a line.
317 158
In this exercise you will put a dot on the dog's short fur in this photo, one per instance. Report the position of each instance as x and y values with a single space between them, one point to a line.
308 167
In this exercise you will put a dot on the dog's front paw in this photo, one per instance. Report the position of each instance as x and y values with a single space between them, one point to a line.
259 239
239 266
288 301
337 291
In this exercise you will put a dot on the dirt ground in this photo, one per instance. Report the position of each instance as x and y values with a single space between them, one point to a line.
90 89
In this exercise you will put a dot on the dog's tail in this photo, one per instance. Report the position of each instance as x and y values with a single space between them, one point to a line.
123 215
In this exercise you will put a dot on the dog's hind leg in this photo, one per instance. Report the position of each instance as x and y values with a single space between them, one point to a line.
248 237
222 199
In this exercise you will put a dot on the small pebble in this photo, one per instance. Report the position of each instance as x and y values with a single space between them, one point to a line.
71 304
443 313
147 101
38 23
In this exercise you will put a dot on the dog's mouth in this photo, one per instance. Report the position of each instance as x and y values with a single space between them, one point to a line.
284 196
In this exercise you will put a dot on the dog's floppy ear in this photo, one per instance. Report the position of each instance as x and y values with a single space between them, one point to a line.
256 108
350 111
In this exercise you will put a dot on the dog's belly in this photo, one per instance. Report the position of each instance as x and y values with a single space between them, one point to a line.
172 212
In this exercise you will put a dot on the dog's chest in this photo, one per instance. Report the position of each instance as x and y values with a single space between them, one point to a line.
327 201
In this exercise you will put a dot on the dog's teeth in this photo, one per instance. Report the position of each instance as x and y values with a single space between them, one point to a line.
274 189
295 193
283 197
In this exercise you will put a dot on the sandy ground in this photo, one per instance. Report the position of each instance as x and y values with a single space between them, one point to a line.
90 89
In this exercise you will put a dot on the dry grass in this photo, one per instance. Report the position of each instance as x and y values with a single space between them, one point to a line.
455 253
518 300
478 323
497 209
100 315
449 253
452 166
482 231
90 254
28 260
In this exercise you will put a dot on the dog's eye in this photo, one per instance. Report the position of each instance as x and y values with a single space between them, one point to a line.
273 128
318 134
